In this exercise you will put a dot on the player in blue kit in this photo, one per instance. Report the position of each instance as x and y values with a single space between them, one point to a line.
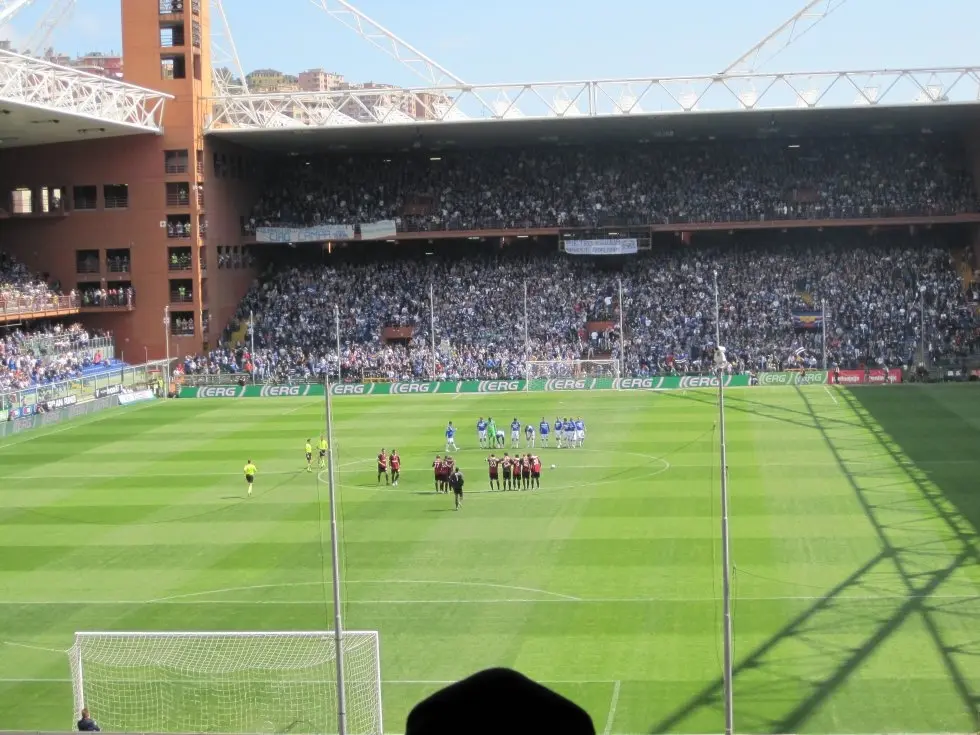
543 430
580 431
558 430
481 433
529 436
569 427
451 437
515 434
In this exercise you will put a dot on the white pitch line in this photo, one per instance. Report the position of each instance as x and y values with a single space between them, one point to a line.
834 399
282 585
499 601
612 709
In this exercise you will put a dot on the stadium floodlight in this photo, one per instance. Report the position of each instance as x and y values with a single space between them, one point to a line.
226 682
721 365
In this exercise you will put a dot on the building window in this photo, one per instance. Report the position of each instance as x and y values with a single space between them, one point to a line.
171 34
182 323
178 226
87 262
178 194
118 260
202 225
175 162
85 197
116 196
200 164
179 259
200 195
197 67
202 257
22 201
196 34
52 199
181 291
173 66
171 7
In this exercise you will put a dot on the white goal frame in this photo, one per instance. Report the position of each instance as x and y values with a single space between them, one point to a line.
76 656
560 370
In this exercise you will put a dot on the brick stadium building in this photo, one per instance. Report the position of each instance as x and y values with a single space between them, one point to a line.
149 183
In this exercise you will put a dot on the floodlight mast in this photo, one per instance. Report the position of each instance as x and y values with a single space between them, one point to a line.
432 72
225 64
784 36
55 15
10 8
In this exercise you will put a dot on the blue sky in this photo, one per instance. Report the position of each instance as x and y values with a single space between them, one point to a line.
541 40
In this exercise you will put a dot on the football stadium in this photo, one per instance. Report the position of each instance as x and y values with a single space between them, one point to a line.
620 406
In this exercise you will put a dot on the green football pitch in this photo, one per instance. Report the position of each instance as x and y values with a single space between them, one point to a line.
854 520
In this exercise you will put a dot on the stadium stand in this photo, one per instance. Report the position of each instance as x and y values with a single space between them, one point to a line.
830 178
871 285
43 353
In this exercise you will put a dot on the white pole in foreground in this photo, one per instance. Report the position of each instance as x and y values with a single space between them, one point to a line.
336 316
823 336
622 334
725 563
166 340
432 328
251 335
335 557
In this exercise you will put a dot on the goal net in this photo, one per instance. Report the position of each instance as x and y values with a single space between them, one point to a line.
539 372
226 682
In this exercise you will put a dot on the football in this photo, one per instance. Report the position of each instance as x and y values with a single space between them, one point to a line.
553 466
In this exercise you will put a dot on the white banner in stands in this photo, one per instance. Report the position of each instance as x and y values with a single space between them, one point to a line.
319 233
378 230
624 246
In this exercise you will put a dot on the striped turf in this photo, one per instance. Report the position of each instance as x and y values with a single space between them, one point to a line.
854 521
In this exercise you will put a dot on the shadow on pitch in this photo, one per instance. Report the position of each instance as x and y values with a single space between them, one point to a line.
784 682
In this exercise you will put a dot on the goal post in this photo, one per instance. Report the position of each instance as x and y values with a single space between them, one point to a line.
551 374
226 682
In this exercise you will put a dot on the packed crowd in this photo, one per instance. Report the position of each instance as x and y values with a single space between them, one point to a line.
21 290
873 288
46 355
658 183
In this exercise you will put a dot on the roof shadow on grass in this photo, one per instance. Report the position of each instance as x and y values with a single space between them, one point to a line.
926 526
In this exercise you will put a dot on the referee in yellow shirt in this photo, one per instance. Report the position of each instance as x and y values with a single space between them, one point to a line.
323 451
250 470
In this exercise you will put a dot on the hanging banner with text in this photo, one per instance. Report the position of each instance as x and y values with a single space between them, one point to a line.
624 246
319 233
877 376
378 230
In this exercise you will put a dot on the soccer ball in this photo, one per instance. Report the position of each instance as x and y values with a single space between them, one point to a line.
553 466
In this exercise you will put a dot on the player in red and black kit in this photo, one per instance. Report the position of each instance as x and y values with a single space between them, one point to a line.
535 471
493 464
395 465
507 464
383 466
437 471
526 471
448 467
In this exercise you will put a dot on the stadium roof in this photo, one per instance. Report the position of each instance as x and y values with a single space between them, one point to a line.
792 123
42 103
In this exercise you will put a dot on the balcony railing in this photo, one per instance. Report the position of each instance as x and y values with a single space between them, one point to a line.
24 306
181 265
179 230
88 268
122 267
176 167
178 198
176 297
169 7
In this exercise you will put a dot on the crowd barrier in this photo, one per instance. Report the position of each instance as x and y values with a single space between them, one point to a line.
25 402
663 382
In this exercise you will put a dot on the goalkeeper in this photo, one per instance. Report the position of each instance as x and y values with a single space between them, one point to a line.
87 724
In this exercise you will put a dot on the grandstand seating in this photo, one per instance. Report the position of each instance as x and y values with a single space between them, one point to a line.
721 181
870 285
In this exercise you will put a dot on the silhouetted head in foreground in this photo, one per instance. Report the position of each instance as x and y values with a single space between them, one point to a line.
497 702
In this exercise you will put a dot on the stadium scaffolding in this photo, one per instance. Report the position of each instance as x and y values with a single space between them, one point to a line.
598 98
